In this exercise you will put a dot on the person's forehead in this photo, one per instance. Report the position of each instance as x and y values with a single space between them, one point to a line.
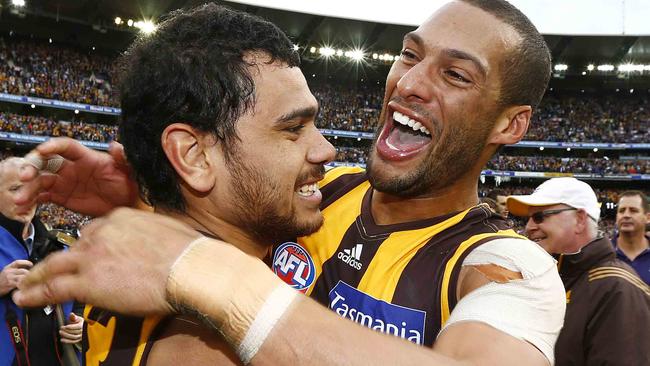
281 89
630 201
8 175
462 26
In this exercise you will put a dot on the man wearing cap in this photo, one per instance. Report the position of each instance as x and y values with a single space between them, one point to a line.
608 306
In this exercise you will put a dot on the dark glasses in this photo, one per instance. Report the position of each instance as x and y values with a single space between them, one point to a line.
538 217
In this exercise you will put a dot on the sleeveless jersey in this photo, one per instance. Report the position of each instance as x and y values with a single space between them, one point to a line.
397 279
112 339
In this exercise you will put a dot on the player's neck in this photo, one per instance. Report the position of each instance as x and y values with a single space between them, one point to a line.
389 209
632 243
223 230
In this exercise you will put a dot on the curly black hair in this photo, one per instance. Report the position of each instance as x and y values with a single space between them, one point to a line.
190 70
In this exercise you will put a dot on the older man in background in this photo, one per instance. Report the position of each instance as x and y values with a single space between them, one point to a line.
608 306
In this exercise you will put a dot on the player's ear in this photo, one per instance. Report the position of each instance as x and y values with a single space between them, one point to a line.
187 152
511 125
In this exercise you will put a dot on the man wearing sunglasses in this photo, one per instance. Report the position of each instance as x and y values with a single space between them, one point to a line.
608 306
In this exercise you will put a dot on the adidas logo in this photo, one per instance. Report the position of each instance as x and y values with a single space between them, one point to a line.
352 257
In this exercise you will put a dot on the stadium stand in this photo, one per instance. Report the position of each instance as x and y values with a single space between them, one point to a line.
348 116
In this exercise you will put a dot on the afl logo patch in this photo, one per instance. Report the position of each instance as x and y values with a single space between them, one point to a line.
294 266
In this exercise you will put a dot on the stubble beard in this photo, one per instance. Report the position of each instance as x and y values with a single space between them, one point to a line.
256 201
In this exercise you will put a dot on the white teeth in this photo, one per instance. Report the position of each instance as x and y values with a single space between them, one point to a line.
404 120
307 190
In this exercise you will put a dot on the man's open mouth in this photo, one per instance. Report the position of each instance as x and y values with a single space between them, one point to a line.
403 136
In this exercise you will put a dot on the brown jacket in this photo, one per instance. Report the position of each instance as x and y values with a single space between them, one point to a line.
608 310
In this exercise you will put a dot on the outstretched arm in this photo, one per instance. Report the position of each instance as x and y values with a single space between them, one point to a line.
89 181
145 263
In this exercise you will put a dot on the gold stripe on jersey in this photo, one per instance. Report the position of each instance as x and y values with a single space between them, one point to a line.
451 264
333 174
345 212
385 269
100 338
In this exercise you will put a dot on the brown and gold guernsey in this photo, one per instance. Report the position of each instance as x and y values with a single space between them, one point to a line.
112 339
398 279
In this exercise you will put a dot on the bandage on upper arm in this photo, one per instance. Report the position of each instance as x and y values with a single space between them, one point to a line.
513 286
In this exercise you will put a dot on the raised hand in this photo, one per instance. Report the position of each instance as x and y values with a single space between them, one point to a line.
89 182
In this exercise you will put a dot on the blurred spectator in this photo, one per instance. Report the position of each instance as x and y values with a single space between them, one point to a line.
499 198
632 244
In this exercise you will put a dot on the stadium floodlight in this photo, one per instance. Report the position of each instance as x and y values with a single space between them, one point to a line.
312 50
381 57
560 67
541 148
339 53
375 56
591 67
118 21
33 106
76 111
145 26
356 55
327 51
605 67
396 57
595 149
129 22
631 67
18 3
584 73
296 47
568 149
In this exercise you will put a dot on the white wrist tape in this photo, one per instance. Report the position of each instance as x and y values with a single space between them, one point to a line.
274 307
233 292
50 164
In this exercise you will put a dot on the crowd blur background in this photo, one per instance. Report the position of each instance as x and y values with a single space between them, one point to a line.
59 82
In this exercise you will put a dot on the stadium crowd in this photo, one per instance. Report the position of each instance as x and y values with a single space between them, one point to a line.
624 119
42 126
35 68
57 72
597 166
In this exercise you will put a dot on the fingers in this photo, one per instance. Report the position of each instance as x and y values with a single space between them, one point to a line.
55 264
116 150
51 291
21 263
76 320
34 186
69 338
71 333
28 173
68 148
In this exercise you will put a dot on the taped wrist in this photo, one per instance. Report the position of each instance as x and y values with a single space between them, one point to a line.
233 292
